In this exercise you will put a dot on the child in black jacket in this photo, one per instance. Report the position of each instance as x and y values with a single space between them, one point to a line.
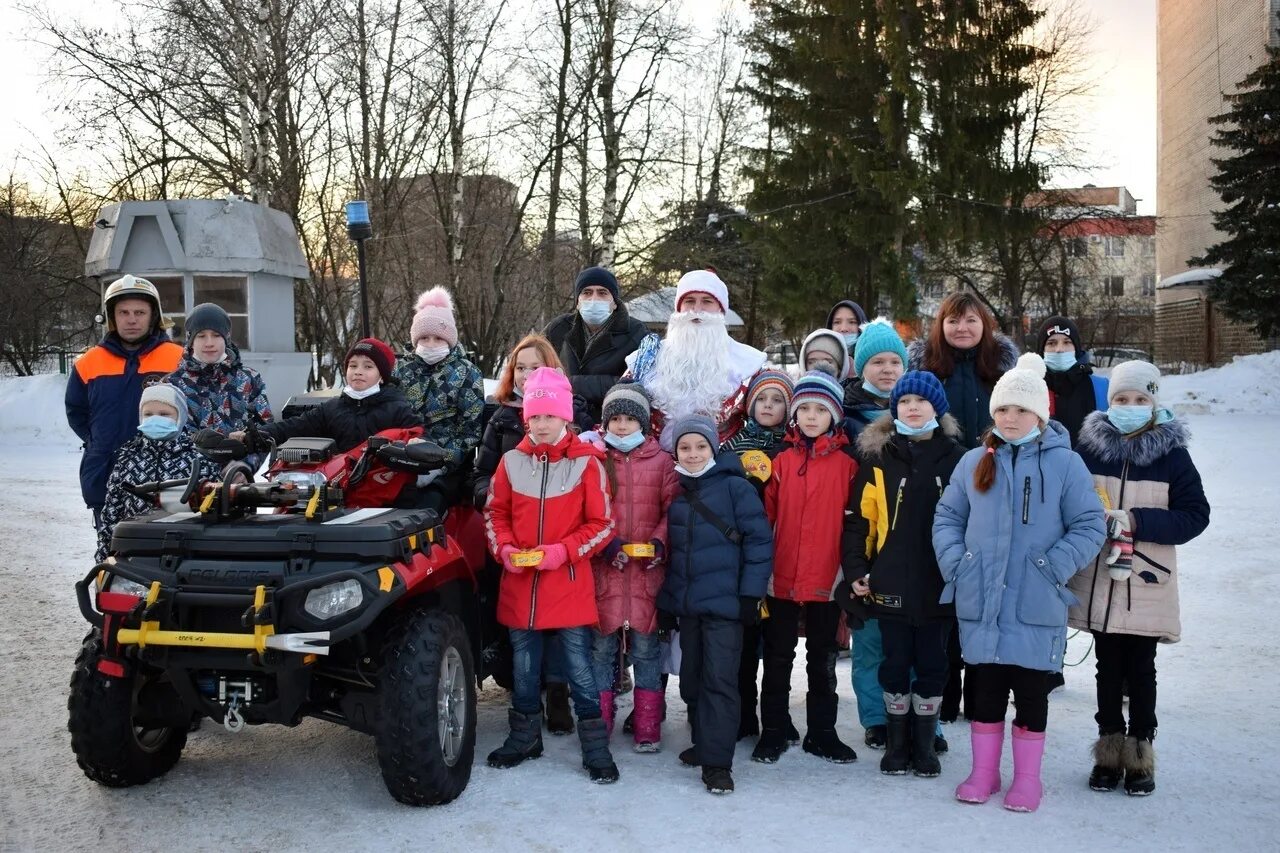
888 555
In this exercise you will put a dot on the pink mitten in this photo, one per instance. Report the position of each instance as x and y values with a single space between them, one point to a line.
504 554
554 556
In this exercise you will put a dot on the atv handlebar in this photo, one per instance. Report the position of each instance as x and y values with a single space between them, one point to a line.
414 457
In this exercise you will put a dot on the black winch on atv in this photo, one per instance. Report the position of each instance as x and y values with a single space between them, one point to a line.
214 606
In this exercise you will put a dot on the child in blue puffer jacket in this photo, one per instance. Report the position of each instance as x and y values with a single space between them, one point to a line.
1019 518
721 559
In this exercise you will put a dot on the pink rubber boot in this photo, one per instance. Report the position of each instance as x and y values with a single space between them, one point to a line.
606 710
1025 792
648 722
984 780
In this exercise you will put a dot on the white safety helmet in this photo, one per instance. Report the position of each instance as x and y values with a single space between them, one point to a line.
131 287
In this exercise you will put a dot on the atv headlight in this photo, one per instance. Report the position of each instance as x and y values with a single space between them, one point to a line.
124 586
334 599
301 479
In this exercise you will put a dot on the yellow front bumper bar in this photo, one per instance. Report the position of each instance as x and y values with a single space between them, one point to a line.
263 637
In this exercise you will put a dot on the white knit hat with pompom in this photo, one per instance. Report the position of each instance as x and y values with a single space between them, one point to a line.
1023 386
433 315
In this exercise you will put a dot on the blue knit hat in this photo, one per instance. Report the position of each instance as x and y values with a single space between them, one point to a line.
698 425
877 336
819 386
922 383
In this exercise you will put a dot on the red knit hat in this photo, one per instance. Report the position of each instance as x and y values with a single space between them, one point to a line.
383 357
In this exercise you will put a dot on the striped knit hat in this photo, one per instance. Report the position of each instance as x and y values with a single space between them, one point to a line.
819 386
627 398
769 378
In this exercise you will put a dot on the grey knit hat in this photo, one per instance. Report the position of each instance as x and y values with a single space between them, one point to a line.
163 392
210 317
698 425
627 398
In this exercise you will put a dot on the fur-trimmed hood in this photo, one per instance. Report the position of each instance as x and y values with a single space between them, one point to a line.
1102 439
1008 353
873 440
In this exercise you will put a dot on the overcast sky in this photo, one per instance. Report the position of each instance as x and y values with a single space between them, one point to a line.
1120 126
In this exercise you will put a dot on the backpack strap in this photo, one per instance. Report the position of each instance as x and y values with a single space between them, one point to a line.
730 532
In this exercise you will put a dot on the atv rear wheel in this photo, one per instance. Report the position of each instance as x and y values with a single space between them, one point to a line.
112 746
426 728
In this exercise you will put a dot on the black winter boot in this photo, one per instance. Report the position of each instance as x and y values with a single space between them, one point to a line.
524 741
1108 762
1139 767
719 780
924 758
875 737
689 757
772 743
559 717
897 757
596 758
827 745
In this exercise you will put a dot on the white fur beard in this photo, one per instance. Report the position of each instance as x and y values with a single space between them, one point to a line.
691 375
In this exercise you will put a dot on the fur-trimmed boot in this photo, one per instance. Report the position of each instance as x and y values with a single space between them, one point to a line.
1139 767
1026 791
1108 762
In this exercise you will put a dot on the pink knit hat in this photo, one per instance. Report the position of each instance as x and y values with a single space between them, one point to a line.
547 392
434 316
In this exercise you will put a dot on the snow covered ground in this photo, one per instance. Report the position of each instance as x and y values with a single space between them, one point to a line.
317 786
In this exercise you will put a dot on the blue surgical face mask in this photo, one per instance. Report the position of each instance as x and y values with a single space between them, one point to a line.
625 443
904 429
850 339
158 427
1129 419
595 311
874 391
1018 442
1060 361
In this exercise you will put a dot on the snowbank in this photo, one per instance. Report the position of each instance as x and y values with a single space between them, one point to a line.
32 411
1247 385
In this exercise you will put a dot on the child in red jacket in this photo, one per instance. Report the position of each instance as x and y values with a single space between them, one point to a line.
628 578
805 502
547 514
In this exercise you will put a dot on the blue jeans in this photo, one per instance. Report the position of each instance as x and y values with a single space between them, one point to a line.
575 646
642 649
866 658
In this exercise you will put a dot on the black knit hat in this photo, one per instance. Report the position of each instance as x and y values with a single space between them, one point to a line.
1058 326
627 398
208 317
597 277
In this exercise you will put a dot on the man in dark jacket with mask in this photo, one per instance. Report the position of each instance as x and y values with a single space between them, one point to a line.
594 340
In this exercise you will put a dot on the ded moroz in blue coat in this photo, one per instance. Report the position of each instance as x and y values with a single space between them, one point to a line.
1006 555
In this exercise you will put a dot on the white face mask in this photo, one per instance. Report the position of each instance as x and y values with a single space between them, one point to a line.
680 469
362 395
431 355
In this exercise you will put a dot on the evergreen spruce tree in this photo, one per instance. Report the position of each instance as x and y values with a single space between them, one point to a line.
1249 183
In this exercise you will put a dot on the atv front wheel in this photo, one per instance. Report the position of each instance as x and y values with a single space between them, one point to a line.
114 744
426 729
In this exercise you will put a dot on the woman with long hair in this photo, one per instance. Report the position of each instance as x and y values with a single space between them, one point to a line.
966 351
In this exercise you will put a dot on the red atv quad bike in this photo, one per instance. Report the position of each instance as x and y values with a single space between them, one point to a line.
332 606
